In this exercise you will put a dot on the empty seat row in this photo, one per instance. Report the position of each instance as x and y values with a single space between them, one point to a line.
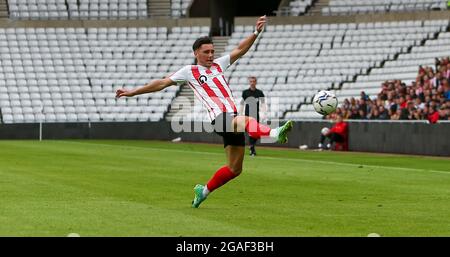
77 9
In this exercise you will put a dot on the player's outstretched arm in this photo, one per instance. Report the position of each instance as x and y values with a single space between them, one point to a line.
245 44
153 86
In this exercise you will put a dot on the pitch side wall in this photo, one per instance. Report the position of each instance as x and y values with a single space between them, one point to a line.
385 137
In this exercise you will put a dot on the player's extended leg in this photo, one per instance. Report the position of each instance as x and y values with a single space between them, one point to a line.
258 130
322 141
235 157
334 137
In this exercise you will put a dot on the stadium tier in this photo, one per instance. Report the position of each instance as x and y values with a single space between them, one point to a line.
70 74
292 62
77 9
179 7
345 7
404 68
299 7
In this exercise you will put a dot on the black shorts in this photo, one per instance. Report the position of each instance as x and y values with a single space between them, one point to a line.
224 128
336 137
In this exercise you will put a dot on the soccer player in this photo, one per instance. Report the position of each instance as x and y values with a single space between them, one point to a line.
338 133
251 99
206 78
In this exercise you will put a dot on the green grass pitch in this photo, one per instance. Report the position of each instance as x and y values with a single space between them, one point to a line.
144 188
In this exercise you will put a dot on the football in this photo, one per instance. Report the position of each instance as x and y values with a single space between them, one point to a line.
325 102
325 131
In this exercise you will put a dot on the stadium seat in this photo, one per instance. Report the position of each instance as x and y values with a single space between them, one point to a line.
344 7
50 9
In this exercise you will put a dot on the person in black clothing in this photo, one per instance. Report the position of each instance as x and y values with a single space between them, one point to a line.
384 114
251 99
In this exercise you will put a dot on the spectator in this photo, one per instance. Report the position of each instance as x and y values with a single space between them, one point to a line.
401 102
362 107
444 113
354 115
446 89
384 92
364 96
436 80
433 116
447 73
425 98
404 114
396 114
414 114
362 114
352 102
393 108
418 103
374 114
384 115
346 104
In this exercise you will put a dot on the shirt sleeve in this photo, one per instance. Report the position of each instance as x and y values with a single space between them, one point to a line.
224 62
181 76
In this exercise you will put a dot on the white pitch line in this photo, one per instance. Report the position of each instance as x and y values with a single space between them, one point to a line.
264 157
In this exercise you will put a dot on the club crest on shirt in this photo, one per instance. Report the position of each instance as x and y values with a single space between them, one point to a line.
202 79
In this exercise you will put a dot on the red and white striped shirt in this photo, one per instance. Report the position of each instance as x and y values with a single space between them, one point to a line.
209 85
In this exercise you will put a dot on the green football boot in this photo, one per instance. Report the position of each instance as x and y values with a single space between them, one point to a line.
198 196
283 131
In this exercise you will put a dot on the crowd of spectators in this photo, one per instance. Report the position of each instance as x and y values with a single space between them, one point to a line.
426 98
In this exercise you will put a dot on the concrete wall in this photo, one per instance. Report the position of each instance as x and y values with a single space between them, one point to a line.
399 137
386 137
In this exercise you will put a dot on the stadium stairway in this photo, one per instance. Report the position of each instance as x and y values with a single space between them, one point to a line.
316 8
3 9
158 8
340 7
182 104
295 7
283 8
219 45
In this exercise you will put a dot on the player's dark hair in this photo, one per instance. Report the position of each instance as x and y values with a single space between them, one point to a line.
201 41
